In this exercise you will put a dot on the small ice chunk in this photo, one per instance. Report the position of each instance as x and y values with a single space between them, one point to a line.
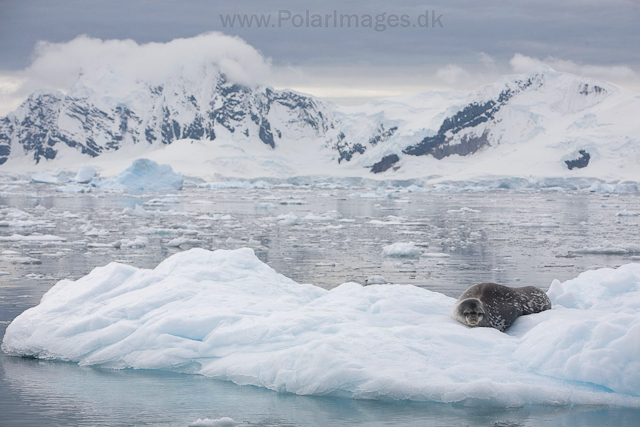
376 280
288 219
401 249
607 248
627 213
327 217
218 422
17 259
175 243
138 242
115 244
94 232
31 238
137 211
162 201
463 210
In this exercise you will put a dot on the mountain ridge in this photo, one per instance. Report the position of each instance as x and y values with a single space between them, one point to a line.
555 111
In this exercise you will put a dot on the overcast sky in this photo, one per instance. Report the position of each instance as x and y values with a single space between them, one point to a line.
467 43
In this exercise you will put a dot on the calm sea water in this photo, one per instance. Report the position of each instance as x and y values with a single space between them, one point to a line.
512 238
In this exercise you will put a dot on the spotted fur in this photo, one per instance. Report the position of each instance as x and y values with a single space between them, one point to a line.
496 306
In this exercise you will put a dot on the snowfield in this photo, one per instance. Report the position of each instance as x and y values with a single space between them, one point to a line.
227 315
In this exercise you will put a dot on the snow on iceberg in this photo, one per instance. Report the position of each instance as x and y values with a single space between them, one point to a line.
227 315
144 175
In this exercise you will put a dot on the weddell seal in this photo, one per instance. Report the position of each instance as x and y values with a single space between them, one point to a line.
497 306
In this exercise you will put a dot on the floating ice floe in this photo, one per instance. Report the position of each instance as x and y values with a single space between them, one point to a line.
608 248
627 213
162 201
227 315
177 242
463 210
401 249
136 211
144 175
376 280
14 257
18 223
117 244
32 238
215 217
288 219
94 232
326 217
138 242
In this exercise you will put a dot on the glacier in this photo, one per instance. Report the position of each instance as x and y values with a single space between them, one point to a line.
227 315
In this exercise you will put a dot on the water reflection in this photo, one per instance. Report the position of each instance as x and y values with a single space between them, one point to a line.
55 393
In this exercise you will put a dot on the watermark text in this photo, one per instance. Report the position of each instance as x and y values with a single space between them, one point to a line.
307 19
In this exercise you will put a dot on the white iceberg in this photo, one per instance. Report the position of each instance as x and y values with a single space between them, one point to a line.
144 175
85 174
227 315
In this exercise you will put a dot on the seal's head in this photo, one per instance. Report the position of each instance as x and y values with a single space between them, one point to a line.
470 312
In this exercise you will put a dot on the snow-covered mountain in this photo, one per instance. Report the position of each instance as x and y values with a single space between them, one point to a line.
199 105
544 123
